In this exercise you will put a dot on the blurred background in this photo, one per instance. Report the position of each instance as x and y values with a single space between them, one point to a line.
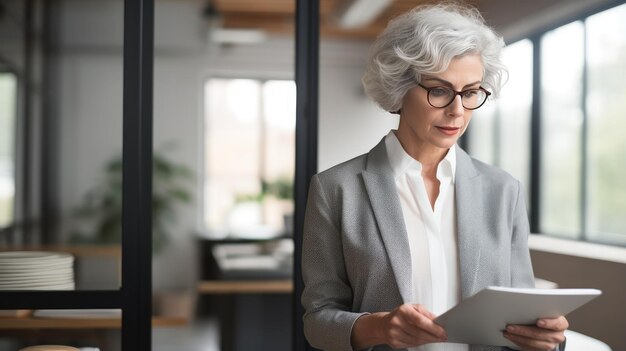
224 144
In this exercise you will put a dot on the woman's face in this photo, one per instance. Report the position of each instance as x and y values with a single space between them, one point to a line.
431 129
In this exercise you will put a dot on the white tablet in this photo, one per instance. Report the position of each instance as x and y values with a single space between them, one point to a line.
481 318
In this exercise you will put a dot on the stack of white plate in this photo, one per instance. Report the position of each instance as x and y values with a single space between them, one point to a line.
33 270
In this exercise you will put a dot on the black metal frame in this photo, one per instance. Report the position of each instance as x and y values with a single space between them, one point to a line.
135 296
307 82
137 181
535 139
27 118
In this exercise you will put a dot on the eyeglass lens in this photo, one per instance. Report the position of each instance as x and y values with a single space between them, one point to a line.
442 97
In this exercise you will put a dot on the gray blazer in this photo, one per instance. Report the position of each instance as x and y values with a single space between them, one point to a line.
355 251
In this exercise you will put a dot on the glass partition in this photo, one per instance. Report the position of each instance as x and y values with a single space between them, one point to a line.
61 136
224 120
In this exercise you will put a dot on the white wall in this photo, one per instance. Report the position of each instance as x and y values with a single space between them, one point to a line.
350 123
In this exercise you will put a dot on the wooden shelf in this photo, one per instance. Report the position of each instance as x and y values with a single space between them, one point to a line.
81 323
245 287
76 250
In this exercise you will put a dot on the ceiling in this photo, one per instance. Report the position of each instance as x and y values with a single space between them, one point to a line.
511 18
277 16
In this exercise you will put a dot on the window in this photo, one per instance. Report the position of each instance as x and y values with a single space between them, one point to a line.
562 56
581 169
249 157
606 146
500 130
8 102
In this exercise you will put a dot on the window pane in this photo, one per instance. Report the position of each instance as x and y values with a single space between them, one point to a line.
514 109
279 102
500 130
481 132
232 154
561 118
8 95
250 157
606 52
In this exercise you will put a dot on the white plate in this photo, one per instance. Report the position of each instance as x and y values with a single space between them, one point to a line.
4 280
33 258
31 255
55 262
37 282
38 273
51 287
35 263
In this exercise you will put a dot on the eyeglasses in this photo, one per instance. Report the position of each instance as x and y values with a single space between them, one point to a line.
471 99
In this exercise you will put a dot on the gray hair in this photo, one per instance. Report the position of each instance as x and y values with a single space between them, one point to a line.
424 41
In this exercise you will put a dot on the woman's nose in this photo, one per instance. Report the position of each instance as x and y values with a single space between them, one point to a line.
455 109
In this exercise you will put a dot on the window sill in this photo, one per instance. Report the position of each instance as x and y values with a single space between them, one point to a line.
577 248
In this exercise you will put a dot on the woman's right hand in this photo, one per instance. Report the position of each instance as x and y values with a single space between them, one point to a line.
405 326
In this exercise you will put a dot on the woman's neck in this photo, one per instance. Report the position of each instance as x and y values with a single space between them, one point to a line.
426 154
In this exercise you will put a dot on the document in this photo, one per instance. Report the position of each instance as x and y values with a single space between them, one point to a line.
481 318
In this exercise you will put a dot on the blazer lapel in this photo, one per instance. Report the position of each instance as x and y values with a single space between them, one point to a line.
382 193
469 204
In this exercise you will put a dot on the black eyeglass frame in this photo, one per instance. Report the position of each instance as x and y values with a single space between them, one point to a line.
460 93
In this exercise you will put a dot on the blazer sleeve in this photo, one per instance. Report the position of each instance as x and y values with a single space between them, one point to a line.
327 294
521 267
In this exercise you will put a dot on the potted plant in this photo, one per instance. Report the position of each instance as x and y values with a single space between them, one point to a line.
282 189
101 208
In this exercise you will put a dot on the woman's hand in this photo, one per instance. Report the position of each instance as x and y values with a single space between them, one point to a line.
412 325
405 326
547 334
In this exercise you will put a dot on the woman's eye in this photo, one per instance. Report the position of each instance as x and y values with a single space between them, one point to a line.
470 93
440 92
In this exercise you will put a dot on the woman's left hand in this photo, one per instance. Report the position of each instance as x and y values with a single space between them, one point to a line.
546 335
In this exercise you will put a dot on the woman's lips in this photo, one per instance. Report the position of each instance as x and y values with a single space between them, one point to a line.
449 130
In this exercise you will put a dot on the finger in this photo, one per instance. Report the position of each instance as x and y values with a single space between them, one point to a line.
559 323
529 344
536 333
402 333
426 325
429 329
421 309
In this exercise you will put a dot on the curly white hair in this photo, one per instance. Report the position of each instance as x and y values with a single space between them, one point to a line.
423 41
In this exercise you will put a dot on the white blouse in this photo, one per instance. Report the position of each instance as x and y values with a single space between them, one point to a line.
431 233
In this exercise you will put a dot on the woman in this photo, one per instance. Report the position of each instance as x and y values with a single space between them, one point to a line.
401 234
